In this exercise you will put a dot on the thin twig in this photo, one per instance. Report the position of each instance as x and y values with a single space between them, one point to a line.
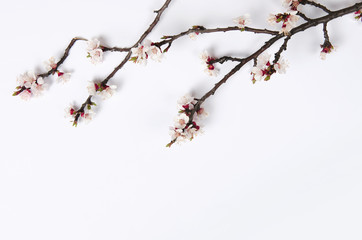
200 29
282 48
223 59
62 59
144 35
302 15
325 32
318 5
115 49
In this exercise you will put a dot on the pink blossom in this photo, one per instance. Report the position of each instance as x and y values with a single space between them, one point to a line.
50 64
242 21
288 21
95 52
209 66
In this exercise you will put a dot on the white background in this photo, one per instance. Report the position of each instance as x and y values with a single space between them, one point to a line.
278 159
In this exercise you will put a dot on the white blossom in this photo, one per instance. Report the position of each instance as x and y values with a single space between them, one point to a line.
327 48
204 56
177 134
207 62
201 114
211 72
108 91
25 95
242 21
96 56
88 115
186 100
50 64
181 120
192 35
29 85
93 44
63 77
184 128
257 73
69 112
95 52
91 88
281 66
290 22
263 59
272 19
139 54
286 3
37 88
291 4
26 79
105 91
323 55
155 53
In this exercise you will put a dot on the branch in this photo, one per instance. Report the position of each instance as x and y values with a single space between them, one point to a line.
282 48
62 59
128 56
326 36
115 49
224 59
318 5
322 20
200 29
302 15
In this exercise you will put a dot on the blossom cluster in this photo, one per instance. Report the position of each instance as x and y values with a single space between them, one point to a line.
83 114
185 123
104 90
95 51
358 15
327 48
264 69
29 84
288 21
142 52
242 21
207 60
51 66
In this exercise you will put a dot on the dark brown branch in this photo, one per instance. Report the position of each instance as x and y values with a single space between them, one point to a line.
313 23
318 5
226 58
140 40
325 32
282 48
115 49
80 111
154 23
302 15
128 56
65 55
201 29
